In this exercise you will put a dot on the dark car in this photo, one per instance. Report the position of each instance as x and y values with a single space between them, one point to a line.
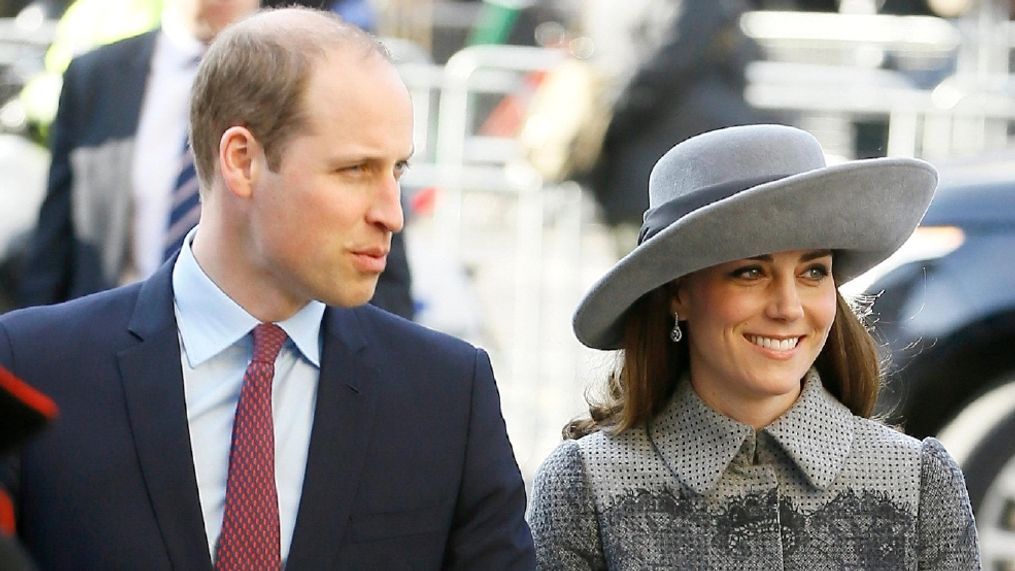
945 311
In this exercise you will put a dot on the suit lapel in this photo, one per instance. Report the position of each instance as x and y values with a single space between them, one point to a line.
124 119
346 400
133 79
104 150
153 387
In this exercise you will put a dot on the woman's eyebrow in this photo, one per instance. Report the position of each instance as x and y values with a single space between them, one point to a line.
808 256
805 257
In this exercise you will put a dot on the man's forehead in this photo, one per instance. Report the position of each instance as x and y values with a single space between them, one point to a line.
355 74
340 93
351 54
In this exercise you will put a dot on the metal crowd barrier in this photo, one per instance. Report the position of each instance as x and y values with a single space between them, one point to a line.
475 170
852 67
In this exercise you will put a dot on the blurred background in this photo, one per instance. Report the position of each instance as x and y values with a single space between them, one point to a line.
537 122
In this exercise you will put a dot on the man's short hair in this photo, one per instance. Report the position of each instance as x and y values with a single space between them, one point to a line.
255 73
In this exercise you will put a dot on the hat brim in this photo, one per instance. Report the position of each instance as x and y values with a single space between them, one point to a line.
861 210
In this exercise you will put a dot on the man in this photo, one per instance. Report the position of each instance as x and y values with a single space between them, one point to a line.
378 445
112 213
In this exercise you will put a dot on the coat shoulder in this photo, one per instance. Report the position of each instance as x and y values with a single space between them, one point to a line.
589 458
562 515
885 462
83 316
617 465
563 463
402 336
875 436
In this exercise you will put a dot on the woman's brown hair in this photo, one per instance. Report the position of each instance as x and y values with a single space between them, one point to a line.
651 365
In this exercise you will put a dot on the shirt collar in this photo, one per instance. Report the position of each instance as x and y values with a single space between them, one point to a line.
176 44
816 433
210 321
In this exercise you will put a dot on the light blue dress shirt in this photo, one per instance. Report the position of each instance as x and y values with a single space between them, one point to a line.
216 345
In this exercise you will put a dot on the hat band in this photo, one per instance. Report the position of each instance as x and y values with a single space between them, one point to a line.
659 218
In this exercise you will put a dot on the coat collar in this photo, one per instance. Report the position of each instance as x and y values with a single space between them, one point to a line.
816 433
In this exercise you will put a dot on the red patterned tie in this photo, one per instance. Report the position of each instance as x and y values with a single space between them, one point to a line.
250 529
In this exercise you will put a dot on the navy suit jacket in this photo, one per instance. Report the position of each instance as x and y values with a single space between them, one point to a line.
81 244
409 464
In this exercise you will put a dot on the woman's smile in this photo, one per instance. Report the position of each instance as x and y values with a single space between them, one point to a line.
775 348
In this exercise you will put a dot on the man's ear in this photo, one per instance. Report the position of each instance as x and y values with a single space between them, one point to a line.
239 154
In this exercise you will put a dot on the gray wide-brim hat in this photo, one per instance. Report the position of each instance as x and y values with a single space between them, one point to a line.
746 191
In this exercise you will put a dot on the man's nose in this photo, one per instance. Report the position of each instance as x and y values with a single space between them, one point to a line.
386 209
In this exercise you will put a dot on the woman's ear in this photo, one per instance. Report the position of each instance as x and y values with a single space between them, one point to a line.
678 296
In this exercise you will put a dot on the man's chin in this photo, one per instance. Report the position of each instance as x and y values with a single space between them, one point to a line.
348 298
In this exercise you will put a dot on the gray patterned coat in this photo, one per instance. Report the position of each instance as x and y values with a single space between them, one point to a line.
817 489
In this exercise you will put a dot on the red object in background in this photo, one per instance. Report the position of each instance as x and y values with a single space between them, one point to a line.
505 120
23 411
6 514
423 201
26 395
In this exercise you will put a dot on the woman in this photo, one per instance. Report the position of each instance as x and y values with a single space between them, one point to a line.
735 433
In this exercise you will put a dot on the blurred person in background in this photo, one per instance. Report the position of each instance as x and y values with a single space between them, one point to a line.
82 27
735 433
117 145
678 70
122 190
359 13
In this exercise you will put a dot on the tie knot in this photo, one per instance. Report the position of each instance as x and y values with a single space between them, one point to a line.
268 340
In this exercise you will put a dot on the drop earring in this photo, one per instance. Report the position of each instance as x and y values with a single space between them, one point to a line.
676 334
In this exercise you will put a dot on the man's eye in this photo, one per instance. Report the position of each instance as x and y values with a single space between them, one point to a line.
353 169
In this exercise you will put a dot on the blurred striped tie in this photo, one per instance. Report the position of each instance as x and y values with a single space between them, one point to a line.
185 209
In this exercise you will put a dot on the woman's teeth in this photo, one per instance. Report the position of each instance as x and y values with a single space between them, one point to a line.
774 344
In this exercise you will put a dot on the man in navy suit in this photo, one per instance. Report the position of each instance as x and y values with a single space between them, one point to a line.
375 444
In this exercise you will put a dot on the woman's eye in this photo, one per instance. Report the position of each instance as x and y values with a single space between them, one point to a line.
750 273
817 272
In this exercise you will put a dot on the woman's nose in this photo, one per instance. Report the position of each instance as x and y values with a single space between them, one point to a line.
785 302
